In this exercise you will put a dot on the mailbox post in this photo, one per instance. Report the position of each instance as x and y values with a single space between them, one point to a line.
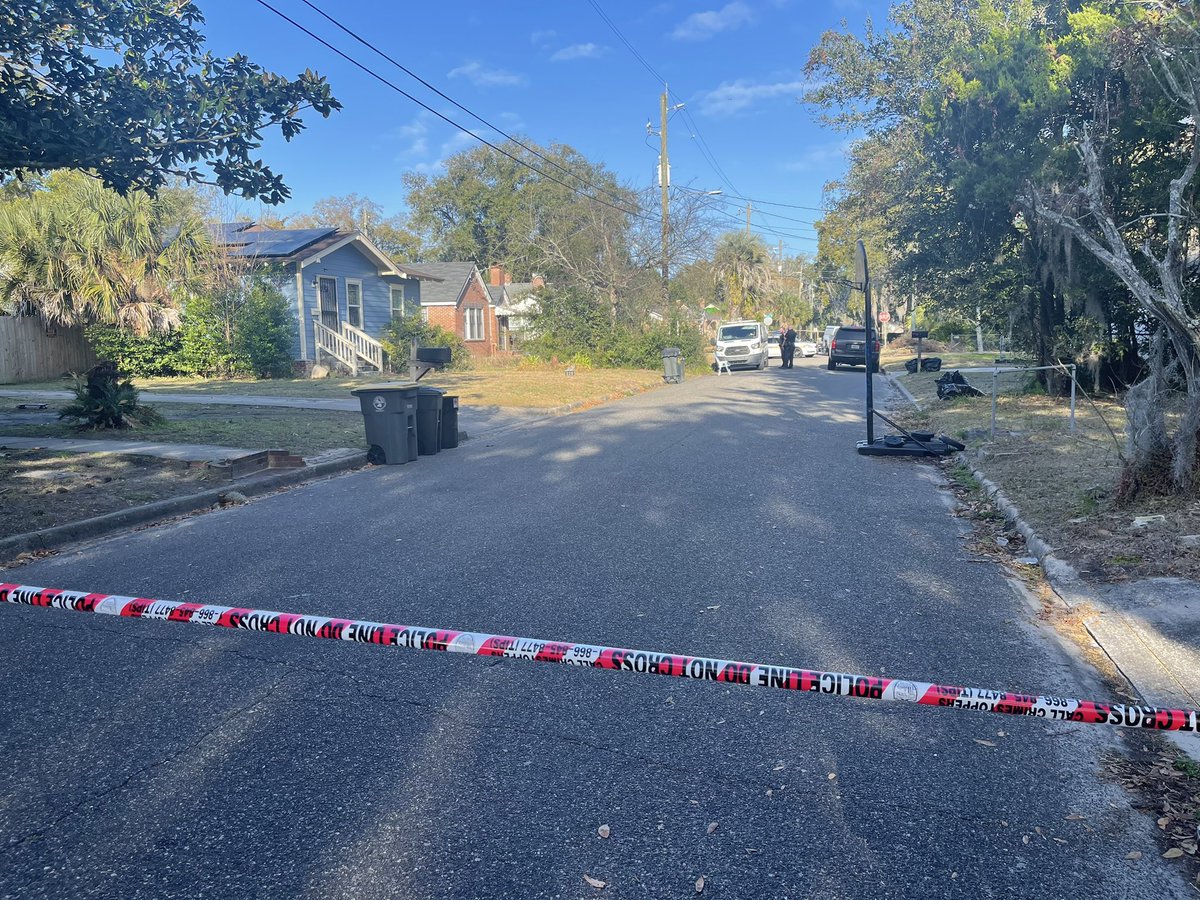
918 336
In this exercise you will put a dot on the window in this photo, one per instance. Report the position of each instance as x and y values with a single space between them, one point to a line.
354 310
399 309
473 321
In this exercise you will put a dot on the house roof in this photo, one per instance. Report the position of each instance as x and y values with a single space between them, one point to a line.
453 276
303 245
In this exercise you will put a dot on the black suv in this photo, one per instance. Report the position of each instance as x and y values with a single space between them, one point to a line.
849 347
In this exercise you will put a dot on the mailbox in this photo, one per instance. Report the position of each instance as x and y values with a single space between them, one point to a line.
435 356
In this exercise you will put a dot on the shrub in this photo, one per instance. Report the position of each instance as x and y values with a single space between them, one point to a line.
102 400
152 356
244 330
400 332
572 326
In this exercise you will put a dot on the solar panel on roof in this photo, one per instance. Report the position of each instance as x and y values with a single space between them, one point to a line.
278 243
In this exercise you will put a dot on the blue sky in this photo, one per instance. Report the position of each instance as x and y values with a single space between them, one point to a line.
561 73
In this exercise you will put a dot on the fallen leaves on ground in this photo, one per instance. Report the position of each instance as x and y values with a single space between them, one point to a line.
594 882
604 831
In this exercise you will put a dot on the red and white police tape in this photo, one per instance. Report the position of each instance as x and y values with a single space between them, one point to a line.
618 658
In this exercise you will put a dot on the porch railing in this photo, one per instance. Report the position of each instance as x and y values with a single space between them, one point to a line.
364 346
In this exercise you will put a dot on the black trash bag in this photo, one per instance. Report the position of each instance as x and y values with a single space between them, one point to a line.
932 364
952 384
911 367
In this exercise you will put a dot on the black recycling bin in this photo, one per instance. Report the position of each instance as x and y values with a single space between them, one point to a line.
429 420
390 416
449 422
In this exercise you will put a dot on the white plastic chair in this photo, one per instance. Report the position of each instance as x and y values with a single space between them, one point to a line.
722 362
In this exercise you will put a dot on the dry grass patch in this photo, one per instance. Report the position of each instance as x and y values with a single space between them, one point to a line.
41 488
1065 484
503 383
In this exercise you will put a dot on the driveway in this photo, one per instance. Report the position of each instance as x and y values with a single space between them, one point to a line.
726 517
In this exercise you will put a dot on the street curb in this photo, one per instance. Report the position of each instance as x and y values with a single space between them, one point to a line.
62 535
1072 590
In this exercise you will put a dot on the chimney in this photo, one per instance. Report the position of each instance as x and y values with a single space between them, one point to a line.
538 280
496 275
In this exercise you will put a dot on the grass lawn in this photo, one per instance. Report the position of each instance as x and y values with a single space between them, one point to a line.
302 431
487 384
1064 483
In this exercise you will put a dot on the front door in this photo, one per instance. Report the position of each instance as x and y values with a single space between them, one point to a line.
327 291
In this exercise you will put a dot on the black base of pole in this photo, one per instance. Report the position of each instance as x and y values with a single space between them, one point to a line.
894 445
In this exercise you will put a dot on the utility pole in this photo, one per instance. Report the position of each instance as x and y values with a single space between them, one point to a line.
664 179
749 205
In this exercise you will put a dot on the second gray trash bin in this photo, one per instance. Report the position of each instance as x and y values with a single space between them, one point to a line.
672 365
429 420
390 417
449 422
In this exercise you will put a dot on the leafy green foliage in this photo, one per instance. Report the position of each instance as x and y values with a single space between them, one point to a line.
150 356
398 334
79 253
570 327
243 329
102 400
126 89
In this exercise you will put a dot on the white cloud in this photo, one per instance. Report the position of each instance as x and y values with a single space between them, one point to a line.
703 25
579 51
820 156
480 76
542 38
734 96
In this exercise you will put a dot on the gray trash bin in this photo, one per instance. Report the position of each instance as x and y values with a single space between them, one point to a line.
429 420
449 422
390 416
672 365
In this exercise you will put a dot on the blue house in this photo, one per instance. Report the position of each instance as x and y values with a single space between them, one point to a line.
341 288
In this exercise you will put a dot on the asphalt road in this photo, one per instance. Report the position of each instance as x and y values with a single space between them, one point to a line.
151 760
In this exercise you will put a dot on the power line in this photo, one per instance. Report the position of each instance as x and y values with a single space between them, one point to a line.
354 62
705 150
353 34
632 49
702 144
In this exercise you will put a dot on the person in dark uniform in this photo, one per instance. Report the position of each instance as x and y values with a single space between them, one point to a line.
787 345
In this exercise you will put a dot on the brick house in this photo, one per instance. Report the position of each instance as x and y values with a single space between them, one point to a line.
459 302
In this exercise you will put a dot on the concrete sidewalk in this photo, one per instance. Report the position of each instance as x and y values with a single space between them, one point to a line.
1149 628
182 452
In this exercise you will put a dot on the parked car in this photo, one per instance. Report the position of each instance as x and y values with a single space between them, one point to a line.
774 351
826 337
849 347
743 344
806 348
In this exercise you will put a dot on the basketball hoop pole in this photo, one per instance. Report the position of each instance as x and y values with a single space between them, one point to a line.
863 277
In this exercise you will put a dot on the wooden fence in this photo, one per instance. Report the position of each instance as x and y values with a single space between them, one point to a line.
31 350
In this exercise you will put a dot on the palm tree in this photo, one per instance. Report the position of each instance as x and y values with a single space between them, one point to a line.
741 268
80 253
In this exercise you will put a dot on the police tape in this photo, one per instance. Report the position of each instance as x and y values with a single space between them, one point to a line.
615 658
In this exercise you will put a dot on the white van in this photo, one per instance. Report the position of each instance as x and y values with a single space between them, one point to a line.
744 344
827 338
